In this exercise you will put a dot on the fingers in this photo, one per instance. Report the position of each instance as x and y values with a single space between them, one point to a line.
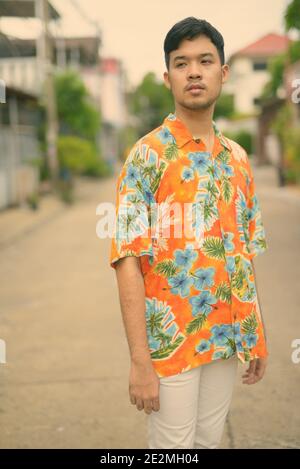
155 405
139 404
249 375
147 404
255 371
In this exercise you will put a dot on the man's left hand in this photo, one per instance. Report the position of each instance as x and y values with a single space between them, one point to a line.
255 371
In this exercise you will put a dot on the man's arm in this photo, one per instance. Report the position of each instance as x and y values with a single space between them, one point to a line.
259 305
257 367
143 380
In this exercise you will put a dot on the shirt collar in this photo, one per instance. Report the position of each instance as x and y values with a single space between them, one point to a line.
182 134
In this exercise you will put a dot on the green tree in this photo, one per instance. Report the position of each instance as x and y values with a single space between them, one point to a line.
77 116
151 101
224 106
292 16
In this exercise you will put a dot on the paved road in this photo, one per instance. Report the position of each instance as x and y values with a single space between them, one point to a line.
65 381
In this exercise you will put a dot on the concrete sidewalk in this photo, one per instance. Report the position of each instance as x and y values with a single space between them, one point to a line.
65 383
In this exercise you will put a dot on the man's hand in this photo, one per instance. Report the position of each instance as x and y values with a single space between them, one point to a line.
144 387
255 371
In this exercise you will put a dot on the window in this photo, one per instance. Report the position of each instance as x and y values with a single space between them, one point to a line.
259 65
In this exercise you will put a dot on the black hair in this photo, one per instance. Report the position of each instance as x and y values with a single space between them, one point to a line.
190 28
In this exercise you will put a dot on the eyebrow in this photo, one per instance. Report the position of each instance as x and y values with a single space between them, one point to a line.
184 57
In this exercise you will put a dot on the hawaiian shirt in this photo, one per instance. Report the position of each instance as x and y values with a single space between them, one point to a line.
194 220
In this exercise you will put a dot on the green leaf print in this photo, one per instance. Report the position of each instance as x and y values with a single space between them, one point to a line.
149 171
249 324
238 279
166 268
223 156
166 350
213 247
226 189
231 344
154 322
156 180
223 292
247 354
171 152
196 324
212 190
261 243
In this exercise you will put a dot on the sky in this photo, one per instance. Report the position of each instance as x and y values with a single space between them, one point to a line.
134 30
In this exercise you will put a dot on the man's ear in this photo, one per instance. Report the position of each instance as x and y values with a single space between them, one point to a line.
225 73
166 80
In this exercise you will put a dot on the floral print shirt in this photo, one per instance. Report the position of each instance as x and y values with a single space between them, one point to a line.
201 301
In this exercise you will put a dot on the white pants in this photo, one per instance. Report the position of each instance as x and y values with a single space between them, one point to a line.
193 406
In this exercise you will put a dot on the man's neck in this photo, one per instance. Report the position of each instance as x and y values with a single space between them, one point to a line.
198 122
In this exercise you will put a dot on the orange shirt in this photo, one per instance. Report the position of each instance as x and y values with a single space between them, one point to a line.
194 220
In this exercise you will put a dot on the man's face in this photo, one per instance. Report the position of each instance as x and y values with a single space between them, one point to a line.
196 63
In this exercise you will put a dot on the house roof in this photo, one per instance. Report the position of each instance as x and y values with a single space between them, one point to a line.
15 47
267 46
24 9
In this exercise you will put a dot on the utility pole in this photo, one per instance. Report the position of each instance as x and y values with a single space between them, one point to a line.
45 57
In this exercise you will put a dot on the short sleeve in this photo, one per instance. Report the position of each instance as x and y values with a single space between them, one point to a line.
132 225
257 242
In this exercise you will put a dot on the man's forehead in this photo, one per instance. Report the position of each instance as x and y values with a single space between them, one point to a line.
194 48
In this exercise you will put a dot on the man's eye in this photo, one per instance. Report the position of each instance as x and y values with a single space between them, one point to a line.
206 61
180 64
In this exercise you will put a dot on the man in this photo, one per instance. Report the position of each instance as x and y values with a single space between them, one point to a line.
187 228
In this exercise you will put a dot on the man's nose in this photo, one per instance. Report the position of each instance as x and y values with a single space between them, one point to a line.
194 71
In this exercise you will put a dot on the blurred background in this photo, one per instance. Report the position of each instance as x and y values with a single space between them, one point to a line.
80 82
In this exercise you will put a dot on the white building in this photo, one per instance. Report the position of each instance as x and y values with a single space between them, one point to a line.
249 71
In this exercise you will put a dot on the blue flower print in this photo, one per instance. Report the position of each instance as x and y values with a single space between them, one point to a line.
228 170
132 176
220 334
187 174
200 161
202 303
230 264
180 284
227 240
203 278
185 257
250 340
203 346
165 136
217 173
218 354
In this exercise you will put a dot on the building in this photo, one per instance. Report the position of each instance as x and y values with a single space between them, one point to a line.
249 71
19 147
113 107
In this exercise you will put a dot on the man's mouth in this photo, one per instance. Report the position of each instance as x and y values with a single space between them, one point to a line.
196 88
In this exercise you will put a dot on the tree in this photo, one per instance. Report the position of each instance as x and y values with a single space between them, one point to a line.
151 102
77 116
292 16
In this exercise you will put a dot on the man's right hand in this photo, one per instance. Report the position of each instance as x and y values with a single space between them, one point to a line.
144 387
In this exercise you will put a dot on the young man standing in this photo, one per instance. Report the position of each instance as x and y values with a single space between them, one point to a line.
188 225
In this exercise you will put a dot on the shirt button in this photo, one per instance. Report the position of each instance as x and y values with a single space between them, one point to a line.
197 140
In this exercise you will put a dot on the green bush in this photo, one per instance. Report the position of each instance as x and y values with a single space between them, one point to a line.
98 168
292 150
80 156
243 138
74 153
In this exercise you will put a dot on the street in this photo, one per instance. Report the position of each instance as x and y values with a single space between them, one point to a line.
65 382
